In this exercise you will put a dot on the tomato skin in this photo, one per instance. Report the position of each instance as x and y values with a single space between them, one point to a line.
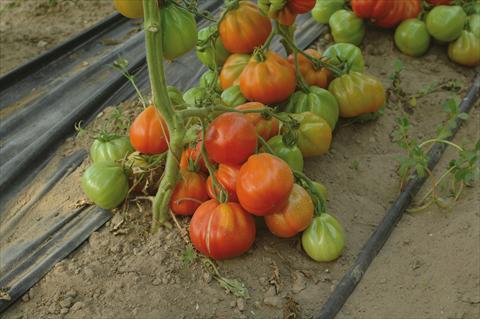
290 154
105 184
348 53
465 50
269 81
149 132
300 6
324 9
110 150
222 231
474 24
294 217
324 239
230 139
179 30
244 28
206 52
445 23
346 27
129 8
318 101
412 37
227 176
314 134
233 96
266 128
233 67
357 94
311 75
264 184
189 193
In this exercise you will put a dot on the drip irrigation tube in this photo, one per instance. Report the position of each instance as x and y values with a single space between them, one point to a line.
376 241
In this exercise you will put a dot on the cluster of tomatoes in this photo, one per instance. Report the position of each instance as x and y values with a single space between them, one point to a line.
439 19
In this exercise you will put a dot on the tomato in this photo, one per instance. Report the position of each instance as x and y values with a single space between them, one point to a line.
264 184
412 37
195 95
230 139
311 75
192 156
346 27
266 128
318 101
233 67
371 8
129 8
465 50
324 239
179 31
445 23
175 97
227 176
149 132
357 94
400 10
244 28
110 149
314 134
105 184
269 80
474 24
233 96
189 193
222 231
324 9
346 53
210 54
278 10
294 217
291 154
300 6
206 81
439 2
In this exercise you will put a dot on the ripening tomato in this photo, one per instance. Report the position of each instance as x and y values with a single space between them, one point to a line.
465 50
357 94
300 6
266 128
222 231
399 11
291 154
371 8
346 27
233 67
412 37
110 149
445 23
149 132
189 193
268 79
311 75
129 8
233 96
210 54
230 139
324 239
278 10
264 184
179 31
192 159
324 9
227 176
346 53
293 217
314 134
244 28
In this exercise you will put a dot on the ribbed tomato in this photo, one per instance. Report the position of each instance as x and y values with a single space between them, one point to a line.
189 193
312 75
314 134
227 176
222 231
233 67
465 50
300 6
400 10
268 78
371 8
264 184
244 28
266 128
149 132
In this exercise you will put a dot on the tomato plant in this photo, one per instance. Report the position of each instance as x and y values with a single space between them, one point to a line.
346 27
445 23
226 175
412 37
233 67
312 76
149 132
265 127
206 81
324 239
176 97
291 154
210 54
129 8
110 148
346 53
264 184
324 9
189 193
233 96
105 184
179 31
222 230
314 134
195 95
465 50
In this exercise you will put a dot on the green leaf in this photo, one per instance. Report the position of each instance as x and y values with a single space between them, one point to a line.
463 116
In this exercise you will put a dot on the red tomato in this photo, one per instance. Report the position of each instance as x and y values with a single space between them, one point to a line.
222 231
193 155
371 8
301 6
386 13
148 132
311 75
265 128
189 193
264 184
230 139
294 217
269 80
227 176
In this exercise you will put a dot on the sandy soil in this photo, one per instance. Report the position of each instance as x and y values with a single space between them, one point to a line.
429 268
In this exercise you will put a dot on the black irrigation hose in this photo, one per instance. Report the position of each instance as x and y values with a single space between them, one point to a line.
376 241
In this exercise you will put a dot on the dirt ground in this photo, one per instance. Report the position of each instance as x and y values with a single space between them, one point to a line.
428 269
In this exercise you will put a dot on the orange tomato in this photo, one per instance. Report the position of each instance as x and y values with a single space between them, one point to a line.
149 132
129 8
311 75
233 67
189 193
227 176
266 128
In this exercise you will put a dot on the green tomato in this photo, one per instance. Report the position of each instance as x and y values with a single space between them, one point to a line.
314 135
105 184
290 154
445 23
106 149
465 50
346 27
324 239
179 31
412 37
324 9
206 51
318 101
346 53
206 81
474 24
194 95
175 96
233 96
321 189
